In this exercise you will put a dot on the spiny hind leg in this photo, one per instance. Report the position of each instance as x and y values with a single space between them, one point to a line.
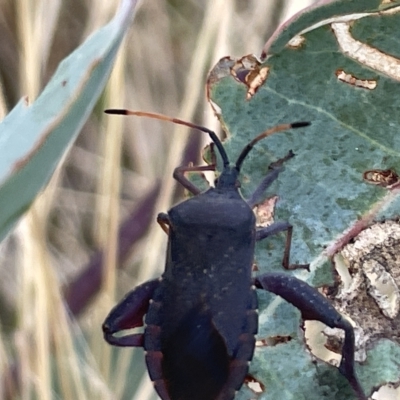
128 314
314 306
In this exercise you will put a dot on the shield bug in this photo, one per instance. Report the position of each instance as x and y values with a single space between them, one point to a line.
201 317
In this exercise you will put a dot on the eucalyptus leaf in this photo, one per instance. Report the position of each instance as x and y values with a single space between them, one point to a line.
34 138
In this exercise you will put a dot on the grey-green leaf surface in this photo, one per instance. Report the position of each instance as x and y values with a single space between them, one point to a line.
34 138
337 66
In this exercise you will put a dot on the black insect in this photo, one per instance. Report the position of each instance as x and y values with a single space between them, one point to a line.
201 315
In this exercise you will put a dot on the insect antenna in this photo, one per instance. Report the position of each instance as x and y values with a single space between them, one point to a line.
162 117
263 135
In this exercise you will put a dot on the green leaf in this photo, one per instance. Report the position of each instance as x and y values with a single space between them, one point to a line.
34 138
342 73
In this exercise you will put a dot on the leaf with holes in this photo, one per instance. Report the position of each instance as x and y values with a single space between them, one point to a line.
338 66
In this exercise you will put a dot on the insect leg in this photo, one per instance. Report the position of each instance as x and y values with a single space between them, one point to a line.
163 221
314 306
279 226
128 314
179 173
275 169
275 228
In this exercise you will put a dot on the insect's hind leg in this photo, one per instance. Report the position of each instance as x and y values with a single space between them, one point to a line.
314 306
128 314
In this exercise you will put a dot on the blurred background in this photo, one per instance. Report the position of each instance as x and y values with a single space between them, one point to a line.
118 173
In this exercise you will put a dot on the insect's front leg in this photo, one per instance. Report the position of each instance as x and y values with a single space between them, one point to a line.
275 169
179 172
280 226
164 222
129 314
314 306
